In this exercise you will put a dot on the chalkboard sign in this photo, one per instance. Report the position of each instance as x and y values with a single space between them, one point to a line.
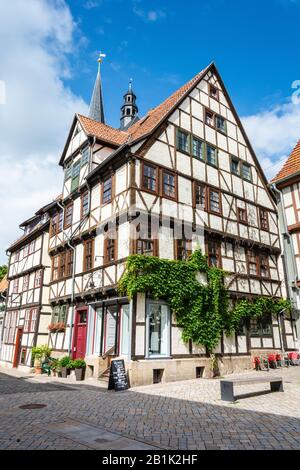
117 376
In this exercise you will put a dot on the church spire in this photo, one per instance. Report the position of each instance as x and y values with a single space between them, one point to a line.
96 106
129 108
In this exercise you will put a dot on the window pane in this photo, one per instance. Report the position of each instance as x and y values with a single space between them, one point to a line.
169 184
221 124
107 190
211 154
198 148
200 196
125 329
235 166
183 141
246 172
214 201
158 320
85 155
149 178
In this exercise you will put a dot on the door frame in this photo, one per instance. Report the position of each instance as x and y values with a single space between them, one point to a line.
18 346
75 331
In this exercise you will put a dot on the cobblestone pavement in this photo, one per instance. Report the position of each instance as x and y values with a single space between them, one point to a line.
181 415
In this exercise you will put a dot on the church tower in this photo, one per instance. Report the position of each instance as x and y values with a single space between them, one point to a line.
96 107
129 108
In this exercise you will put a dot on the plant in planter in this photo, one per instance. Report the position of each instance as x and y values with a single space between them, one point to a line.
65 365
79 365
55 367
40 353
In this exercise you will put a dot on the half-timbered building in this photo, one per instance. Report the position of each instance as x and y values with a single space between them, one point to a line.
286 185
3 294
189 163
28 312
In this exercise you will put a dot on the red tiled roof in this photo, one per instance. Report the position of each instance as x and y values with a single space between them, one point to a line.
291 166
102 131
144 126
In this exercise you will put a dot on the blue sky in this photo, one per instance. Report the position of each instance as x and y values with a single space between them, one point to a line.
161 44
48 56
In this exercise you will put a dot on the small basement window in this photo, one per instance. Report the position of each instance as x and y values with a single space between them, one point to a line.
199 372
158 375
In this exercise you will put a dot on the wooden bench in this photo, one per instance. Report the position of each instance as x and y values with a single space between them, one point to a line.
227 385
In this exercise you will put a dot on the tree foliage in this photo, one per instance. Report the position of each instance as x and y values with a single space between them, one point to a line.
196 293
3 271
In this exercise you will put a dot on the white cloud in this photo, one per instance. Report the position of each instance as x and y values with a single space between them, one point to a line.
148 16
38 36
273 134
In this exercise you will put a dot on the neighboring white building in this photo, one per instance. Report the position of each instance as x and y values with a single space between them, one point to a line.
28 311
287 187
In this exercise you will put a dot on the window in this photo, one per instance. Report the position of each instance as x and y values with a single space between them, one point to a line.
109 249
53 228
214 254
169 188
15 286
68 215
27 321
145 245
10 324
88 259
263 219
220 124
68 171
75 175
214 203
59 314
57 223
55 267
209 118
124 329
252 263
30 320
31 247
38 278
84 204
107 190
85 155
261 326
62 265
60 221
70 256
183 141
264 265
213 92
242 215
198 148
200 195
26 282
235 166
246 172
211 155
158 329
183 248
25 251
149 180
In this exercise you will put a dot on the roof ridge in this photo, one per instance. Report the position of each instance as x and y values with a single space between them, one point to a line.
101 123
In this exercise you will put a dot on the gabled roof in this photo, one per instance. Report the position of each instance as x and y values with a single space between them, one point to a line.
291 166
102 131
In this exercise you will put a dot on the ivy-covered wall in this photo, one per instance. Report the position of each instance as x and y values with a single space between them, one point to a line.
202 308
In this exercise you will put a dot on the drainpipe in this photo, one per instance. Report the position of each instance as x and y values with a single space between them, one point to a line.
130 329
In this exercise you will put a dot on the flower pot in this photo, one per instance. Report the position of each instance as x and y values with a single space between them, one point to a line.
38 370
64 372
80 374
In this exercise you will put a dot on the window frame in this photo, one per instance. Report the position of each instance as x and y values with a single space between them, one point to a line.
183 248
210 87
210 253
188 135
38 278
213 119
208 208
88 256
236 160
196 185
109 244
214 165
242 215
174 175
69 206
143 187
84 211
246 165
264 219
25 285
104 201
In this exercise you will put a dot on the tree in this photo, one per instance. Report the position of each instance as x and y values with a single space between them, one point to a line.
3 271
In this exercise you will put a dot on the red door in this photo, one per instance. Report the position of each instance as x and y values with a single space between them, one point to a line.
80 329
18 343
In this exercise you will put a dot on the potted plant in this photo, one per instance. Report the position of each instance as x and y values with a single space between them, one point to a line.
55 367
79 365
65 365
40 353
57 327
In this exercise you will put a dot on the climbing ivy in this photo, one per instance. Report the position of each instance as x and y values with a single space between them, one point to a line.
196 293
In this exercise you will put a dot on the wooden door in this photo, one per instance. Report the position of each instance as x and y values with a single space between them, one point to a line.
80 330
111 330
18 344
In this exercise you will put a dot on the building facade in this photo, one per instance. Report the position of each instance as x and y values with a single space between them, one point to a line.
3 294
182 177
28 311
286 186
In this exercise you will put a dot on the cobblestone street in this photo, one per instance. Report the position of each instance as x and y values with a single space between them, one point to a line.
181 415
